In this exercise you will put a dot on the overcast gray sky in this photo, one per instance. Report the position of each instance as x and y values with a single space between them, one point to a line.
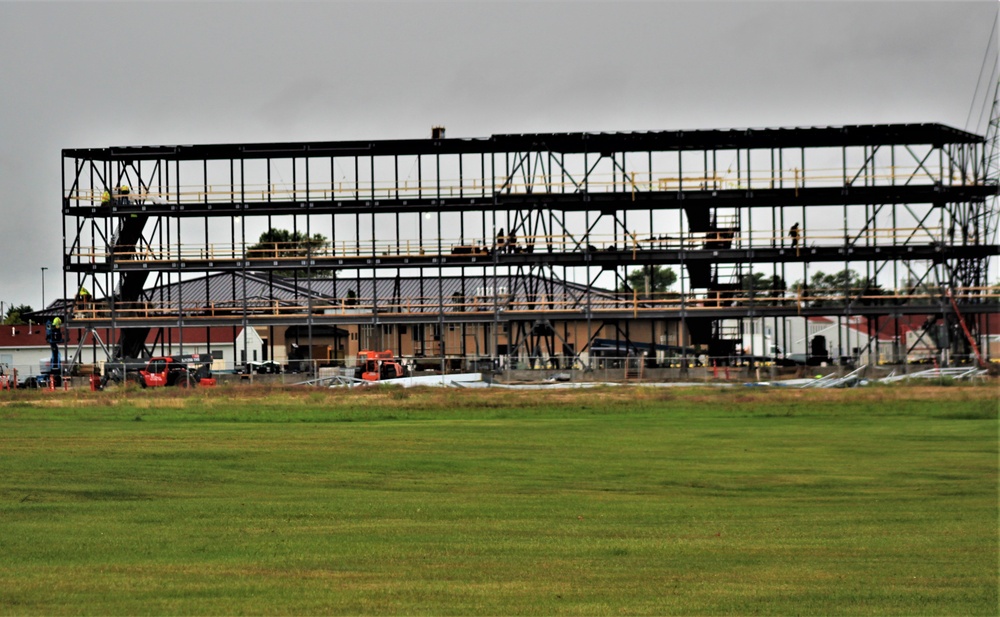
85 74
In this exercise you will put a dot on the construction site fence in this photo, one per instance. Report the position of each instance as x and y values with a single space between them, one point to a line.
605 368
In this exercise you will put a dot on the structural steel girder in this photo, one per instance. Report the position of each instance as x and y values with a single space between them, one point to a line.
820 254
692 140
888 307
570 202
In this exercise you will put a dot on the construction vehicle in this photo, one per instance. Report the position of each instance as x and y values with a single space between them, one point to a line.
181 371
377 366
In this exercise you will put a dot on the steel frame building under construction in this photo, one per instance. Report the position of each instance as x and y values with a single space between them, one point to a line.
537 235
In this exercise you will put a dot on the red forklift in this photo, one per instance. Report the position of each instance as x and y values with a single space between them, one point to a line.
184 371
377 366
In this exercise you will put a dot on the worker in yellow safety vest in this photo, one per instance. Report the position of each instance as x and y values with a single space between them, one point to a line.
82 300
123 192
106 198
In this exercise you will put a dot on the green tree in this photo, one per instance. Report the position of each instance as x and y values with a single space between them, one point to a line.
763 287
869 287
839 287
13 315
660 280
284 244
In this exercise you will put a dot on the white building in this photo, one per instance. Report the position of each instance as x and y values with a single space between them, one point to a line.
24 347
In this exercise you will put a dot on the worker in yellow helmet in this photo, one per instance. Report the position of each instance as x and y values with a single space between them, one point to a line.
106 198
57 322
82 303
123 192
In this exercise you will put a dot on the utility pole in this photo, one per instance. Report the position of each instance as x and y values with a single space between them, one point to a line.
43 287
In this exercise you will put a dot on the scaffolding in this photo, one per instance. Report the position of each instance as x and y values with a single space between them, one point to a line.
537 231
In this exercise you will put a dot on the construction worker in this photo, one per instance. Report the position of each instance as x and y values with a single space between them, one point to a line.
106 198
123 192
53 332
54 336
82 298
794 235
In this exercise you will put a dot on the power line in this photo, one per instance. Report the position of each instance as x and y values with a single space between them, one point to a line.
979 78
987 103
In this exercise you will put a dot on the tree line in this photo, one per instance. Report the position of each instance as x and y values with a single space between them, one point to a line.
823 289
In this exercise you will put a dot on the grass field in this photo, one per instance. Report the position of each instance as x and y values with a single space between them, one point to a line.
617 501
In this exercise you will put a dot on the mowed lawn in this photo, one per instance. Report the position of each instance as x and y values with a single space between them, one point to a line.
613 501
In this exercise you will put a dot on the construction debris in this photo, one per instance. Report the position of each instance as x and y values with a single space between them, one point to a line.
857 378
956 373
853 379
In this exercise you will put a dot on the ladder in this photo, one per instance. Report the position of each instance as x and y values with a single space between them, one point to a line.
965 329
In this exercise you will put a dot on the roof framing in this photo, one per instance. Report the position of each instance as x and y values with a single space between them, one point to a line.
702 139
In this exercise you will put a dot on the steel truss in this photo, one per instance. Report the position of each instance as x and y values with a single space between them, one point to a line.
537 231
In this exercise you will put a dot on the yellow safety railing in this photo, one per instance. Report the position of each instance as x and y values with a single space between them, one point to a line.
634 242
631 182
631 302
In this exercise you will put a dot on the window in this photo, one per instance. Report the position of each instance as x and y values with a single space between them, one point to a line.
216 354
